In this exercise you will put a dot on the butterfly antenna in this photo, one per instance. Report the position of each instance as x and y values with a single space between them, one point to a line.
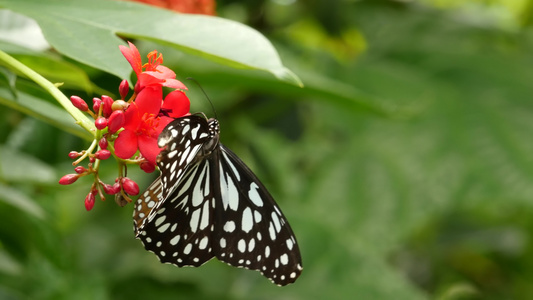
205 94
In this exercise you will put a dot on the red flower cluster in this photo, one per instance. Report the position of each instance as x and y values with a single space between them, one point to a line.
130 126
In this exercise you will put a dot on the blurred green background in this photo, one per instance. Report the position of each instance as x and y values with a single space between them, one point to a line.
404 165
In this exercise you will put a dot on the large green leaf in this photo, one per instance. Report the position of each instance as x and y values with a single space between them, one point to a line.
87 31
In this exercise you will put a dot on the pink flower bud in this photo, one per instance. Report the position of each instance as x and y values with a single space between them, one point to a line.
116 121
147 167
92 159
69 179
102 154
89 201
108 103
100 123
111 189
103 143
137 89
74 154
130 186
124 88
79 169
96 104
79 103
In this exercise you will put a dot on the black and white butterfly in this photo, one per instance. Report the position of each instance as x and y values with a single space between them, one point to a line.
207 203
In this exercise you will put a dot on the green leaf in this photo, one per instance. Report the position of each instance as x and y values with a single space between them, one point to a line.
20 167
42 110
19 200
87 31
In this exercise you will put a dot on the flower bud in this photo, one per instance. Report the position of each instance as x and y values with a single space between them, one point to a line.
119 105
74 154
70 179
96 104
79 169
147 167
111 189
130 186
123 88
137 88
116 121
79 103
102 154
103 143
92 159
89 201
108 103
100 123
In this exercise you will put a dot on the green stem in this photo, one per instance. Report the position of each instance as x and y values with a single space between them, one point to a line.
81 119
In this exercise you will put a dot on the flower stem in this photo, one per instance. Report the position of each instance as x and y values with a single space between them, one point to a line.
48 86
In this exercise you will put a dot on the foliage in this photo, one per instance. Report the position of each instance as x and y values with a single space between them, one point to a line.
404 163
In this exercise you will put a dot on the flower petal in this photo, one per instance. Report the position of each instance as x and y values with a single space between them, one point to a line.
148 147
177 103
163 122
149 100
175 84
147 79
133 56
126 144
162 72
132 119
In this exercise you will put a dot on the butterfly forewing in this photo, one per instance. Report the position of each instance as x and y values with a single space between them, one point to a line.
181 140
214 206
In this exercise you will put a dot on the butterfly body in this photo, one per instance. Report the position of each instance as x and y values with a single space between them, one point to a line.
207 203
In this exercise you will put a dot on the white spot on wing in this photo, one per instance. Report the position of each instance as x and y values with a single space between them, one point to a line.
228 161
229 226
203 243
257 216
284 259
160 220
194 131
271 231
247 220
205 216
187 249
175 240
275 219
195 218
254 195
289 244
241 245
163 228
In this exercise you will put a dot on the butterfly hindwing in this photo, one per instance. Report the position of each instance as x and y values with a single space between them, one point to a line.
181 230
249 226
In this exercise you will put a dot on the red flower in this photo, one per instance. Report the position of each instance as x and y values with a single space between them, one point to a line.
154 73
143 122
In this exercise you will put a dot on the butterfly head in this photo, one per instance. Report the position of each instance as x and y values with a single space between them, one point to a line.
214 131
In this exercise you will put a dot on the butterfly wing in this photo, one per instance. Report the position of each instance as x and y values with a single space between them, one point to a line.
181 230
250 229
182 139
218 207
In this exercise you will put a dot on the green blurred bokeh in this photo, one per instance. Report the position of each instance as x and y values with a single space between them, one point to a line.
405 164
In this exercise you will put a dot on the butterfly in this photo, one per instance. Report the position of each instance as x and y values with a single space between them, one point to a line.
207 203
